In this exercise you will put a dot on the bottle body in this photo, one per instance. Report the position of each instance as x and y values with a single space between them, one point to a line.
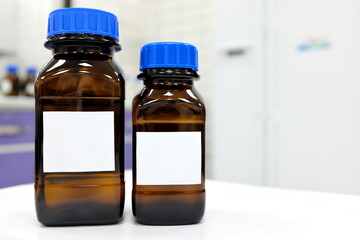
28 85
10 85
168 124
79 96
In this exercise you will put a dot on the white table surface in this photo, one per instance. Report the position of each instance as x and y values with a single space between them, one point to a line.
233 211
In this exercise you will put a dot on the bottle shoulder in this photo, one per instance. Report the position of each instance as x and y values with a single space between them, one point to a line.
55 67
168 104
152 96
85 77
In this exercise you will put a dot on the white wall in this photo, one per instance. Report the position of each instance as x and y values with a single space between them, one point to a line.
23 26
33 18
9 28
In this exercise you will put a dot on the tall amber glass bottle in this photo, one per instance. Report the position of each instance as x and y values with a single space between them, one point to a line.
79 145
168 137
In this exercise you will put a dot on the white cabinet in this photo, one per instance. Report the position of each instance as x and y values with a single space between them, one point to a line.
287 111
314 95
238 93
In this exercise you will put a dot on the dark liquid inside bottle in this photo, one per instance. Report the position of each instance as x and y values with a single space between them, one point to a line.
168 104
80 78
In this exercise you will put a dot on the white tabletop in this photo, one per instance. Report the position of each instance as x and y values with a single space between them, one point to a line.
233 211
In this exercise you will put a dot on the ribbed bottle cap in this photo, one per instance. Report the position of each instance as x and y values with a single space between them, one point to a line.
12 68
31 70
83 20
169 55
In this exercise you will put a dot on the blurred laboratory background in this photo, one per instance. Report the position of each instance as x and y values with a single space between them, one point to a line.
280 79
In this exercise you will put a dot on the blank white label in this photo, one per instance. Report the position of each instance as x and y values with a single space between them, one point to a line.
78 141
168 158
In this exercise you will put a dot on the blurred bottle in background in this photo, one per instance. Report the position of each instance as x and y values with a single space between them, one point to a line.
10 83
28 84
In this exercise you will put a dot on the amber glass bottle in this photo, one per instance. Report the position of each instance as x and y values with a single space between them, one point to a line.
168 138
10 85
28 84
79 145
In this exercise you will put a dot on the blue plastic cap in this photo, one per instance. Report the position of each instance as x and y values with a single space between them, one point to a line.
169 55
83 20
11 68
31 70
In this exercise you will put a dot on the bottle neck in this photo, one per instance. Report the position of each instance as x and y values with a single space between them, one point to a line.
83 51
80 46
165 78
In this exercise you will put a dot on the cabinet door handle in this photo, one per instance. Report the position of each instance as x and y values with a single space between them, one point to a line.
12 130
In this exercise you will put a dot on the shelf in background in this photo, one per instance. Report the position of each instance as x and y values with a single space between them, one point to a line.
17 103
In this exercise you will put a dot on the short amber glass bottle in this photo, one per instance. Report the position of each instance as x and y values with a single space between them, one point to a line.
79 145
10 84
168 138
28 84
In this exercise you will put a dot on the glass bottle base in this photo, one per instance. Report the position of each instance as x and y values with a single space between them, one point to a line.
170 212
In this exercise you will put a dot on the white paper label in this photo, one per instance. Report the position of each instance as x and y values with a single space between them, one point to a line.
78 141
168 158
6 86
